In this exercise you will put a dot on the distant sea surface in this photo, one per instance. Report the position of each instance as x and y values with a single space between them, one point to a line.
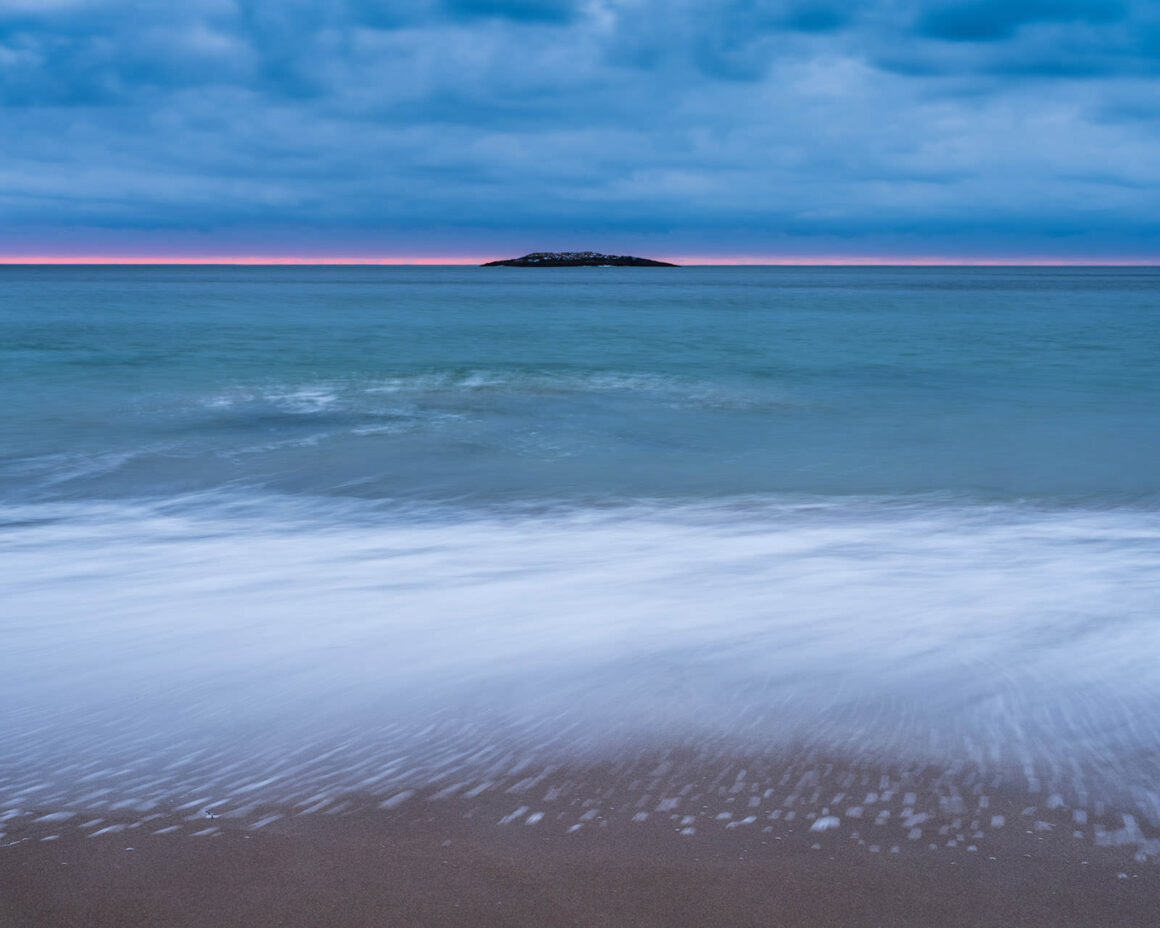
352 515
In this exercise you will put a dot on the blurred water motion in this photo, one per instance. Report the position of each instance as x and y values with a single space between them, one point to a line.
359 526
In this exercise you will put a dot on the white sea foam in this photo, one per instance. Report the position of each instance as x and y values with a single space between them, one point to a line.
444 385
168 636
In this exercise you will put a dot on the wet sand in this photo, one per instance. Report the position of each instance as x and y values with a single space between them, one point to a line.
668 843
369 873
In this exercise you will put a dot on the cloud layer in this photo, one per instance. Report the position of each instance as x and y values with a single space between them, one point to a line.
708 127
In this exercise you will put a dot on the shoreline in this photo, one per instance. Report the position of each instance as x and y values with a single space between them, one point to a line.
374 869
672 840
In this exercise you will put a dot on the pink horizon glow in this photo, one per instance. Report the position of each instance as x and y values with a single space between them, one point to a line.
711 260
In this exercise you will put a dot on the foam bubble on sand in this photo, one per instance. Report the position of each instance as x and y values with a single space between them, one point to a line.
616 796
57 817
514 816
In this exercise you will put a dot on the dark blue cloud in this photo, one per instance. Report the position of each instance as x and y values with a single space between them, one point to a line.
815 17
734 40
995 20
694 125
545 11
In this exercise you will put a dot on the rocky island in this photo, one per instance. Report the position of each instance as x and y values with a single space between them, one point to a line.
576 259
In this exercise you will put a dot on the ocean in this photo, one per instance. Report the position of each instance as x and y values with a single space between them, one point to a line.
269 532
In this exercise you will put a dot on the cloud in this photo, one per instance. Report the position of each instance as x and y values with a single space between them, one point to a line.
546 11
997 20
695 125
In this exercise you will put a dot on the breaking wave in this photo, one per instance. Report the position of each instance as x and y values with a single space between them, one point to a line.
1006 635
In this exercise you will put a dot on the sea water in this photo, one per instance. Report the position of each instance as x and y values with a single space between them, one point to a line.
369 519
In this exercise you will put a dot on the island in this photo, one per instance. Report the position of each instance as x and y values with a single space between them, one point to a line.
576 259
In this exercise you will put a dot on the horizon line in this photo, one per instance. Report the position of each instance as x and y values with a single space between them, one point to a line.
685 260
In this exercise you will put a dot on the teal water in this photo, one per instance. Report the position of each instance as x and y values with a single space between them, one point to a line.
474 384
904 512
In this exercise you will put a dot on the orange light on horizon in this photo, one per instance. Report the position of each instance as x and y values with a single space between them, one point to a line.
693 259
233 259
920 261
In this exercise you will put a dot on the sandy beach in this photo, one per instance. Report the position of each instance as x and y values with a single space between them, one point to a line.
672 841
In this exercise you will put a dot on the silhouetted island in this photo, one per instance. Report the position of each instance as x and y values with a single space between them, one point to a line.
576 259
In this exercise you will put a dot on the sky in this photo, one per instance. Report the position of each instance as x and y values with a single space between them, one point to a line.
697 130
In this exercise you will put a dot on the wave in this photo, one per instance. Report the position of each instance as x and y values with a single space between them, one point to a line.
321 396
350 430
1001 635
